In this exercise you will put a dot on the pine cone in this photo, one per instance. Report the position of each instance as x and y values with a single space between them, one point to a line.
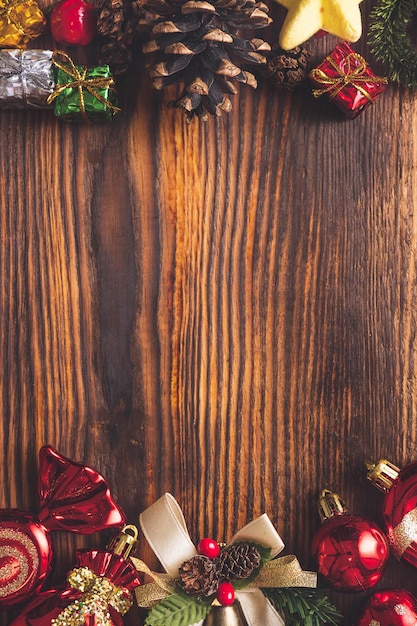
238 561
199 576
287 68
196 42
116 23
116 54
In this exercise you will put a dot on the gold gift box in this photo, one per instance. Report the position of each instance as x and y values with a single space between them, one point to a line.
20 21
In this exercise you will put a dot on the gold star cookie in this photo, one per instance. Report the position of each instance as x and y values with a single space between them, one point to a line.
305 17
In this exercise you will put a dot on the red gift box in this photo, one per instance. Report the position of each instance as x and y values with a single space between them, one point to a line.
347 80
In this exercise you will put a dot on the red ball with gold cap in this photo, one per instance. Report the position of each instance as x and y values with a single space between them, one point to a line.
351 552
399 508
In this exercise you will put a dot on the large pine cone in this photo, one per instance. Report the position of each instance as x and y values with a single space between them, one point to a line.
199 576
238 561
196 42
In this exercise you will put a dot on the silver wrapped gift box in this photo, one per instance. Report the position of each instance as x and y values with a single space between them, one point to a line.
26 79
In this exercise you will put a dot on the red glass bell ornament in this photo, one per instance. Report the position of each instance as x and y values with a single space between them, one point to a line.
399 507
389 607
74 498
98 592
351 552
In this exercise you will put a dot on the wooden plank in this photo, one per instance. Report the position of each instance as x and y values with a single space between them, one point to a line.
223 311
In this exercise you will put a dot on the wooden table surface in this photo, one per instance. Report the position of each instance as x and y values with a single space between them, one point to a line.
224 311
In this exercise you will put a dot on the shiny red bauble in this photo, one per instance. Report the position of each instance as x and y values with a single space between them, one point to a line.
208 547
225 594
399 507
390 607
73 22
351 552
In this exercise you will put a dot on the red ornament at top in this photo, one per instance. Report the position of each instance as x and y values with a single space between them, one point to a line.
208 547
389 607
73 22
351 552
399 507
73 497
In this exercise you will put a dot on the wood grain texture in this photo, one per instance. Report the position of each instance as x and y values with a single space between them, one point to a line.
223 311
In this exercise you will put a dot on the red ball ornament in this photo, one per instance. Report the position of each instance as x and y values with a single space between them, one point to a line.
208 547
390 607
351 552
225 594
399 507
73 22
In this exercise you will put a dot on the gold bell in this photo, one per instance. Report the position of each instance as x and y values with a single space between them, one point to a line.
226 616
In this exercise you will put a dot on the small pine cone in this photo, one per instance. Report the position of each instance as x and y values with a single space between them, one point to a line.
287 68
116 24
199 576
238 561
116 54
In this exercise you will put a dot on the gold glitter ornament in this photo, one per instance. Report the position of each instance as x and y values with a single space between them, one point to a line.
98 593
20 21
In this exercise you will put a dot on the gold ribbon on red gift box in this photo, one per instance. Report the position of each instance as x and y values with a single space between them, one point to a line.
352 73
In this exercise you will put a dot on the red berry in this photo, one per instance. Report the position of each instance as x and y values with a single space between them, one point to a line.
73 22
209 547
225 593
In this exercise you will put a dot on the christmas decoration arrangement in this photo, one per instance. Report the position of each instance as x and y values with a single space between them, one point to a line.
206 47
74 498
244 582
98 592
199 580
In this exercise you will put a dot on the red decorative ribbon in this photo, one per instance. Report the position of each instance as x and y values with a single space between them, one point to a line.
74 497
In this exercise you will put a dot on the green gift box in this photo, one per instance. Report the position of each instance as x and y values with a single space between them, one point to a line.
82 93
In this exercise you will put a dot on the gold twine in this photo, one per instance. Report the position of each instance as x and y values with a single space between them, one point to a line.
98 592
285 571
403 535
354 75
80 82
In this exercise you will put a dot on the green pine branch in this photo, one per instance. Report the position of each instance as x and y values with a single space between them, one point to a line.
303 607
389 41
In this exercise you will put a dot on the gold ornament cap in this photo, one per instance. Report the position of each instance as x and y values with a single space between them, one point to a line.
382 474
125 542
330 504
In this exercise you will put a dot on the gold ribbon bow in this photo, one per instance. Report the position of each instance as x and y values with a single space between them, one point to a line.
80 81
352 74
285 571
98 592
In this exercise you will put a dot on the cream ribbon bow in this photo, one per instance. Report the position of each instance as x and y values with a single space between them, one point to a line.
164 528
